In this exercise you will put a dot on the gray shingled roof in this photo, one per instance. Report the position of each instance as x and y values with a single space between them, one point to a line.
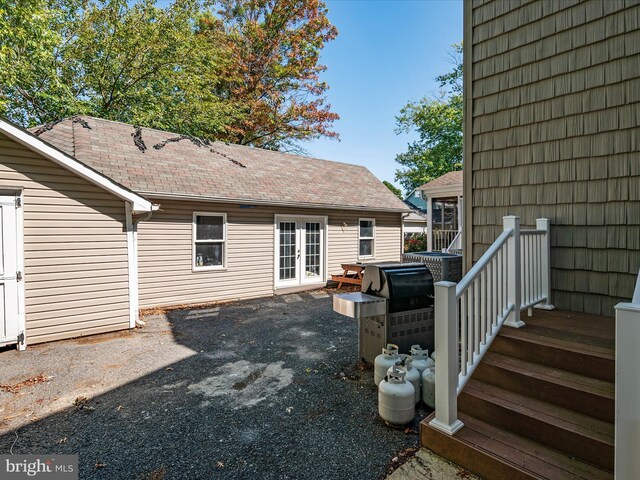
450 178
152 162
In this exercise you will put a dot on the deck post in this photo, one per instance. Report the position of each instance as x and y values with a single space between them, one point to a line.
514 271
545 263
627 394
446 346
429 224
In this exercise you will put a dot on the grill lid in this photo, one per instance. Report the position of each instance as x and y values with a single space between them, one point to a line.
407 286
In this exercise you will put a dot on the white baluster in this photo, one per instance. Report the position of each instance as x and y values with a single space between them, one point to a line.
470 324
476 317
483 306
499 284
463 333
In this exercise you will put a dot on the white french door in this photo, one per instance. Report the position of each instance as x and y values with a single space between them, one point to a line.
300 251
10 321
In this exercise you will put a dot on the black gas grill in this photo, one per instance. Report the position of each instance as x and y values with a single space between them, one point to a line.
406 286
394 306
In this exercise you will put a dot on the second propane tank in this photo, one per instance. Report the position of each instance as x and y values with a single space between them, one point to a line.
429 387
396 398
387 359
412 375
421 359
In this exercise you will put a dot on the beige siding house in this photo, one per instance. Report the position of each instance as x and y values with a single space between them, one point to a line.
551 129
165 244
65 244
99 219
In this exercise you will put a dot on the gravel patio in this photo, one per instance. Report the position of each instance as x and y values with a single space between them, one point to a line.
267 389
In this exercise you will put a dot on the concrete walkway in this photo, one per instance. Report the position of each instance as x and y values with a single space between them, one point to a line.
426 465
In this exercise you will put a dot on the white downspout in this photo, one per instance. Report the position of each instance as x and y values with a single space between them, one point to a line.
132 257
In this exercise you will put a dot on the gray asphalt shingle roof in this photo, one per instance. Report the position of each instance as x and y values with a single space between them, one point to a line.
151 162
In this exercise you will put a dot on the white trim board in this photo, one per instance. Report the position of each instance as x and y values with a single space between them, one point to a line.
442 191
22 319
139 204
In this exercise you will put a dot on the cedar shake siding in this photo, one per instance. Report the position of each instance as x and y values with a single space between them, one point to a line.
552 110
76 274
165 250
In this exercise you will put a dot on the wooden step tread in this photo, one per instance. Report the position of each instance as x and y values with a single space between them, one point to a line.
583 394
578 323
583 338
495 453
550 374
528 454
578 423
537 335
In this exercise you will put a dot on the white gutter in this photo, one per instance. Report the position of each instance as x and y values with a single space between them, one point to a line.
246 201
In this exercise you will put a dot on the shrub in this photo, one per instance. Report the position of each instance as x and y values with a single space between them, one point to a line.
415 242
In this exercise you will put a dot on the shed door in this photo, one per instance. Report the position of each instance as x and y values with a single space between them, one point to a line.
9 322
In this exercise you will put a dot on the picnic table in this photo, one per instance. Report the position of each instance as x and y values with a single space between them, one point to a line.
352 274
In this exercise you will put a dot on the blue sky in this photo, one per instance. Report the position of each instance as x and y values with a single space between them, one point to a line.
386 53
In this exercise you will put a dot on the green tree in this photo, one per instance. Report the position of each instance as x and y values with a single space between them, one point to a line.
147 65
438 123
396 191
276 47
33 37
247 73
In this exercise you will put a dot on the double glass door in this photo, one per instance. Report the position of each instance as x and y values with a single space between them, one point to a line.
300 247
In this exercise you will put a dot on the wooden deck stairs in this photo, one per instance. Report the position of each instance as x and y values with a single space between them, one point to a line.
540 405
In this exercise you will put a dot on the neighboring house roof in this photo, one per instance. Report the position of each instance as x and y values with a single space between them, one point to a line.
445 185
416 215
451 178
415 202
161 164
65 160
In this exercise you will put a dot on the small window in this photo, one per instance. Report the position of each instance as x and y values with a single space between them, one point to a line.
418 193
209 240
366 236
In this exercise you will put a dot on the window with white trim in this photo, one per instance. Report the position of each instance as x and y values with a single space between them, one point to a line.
209 240
366 237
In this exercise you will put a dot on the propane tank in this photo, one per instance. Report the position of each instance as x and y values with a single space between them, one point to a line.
396 398
388 358
412 375
429 387
420 358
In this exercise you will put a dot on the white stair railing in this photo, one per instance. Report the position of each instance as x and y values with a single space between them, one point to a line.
456 243
535 273
469 315
441 239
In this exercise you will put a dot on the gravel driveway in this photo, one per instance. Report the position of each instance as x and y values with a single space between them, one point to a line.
262 389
